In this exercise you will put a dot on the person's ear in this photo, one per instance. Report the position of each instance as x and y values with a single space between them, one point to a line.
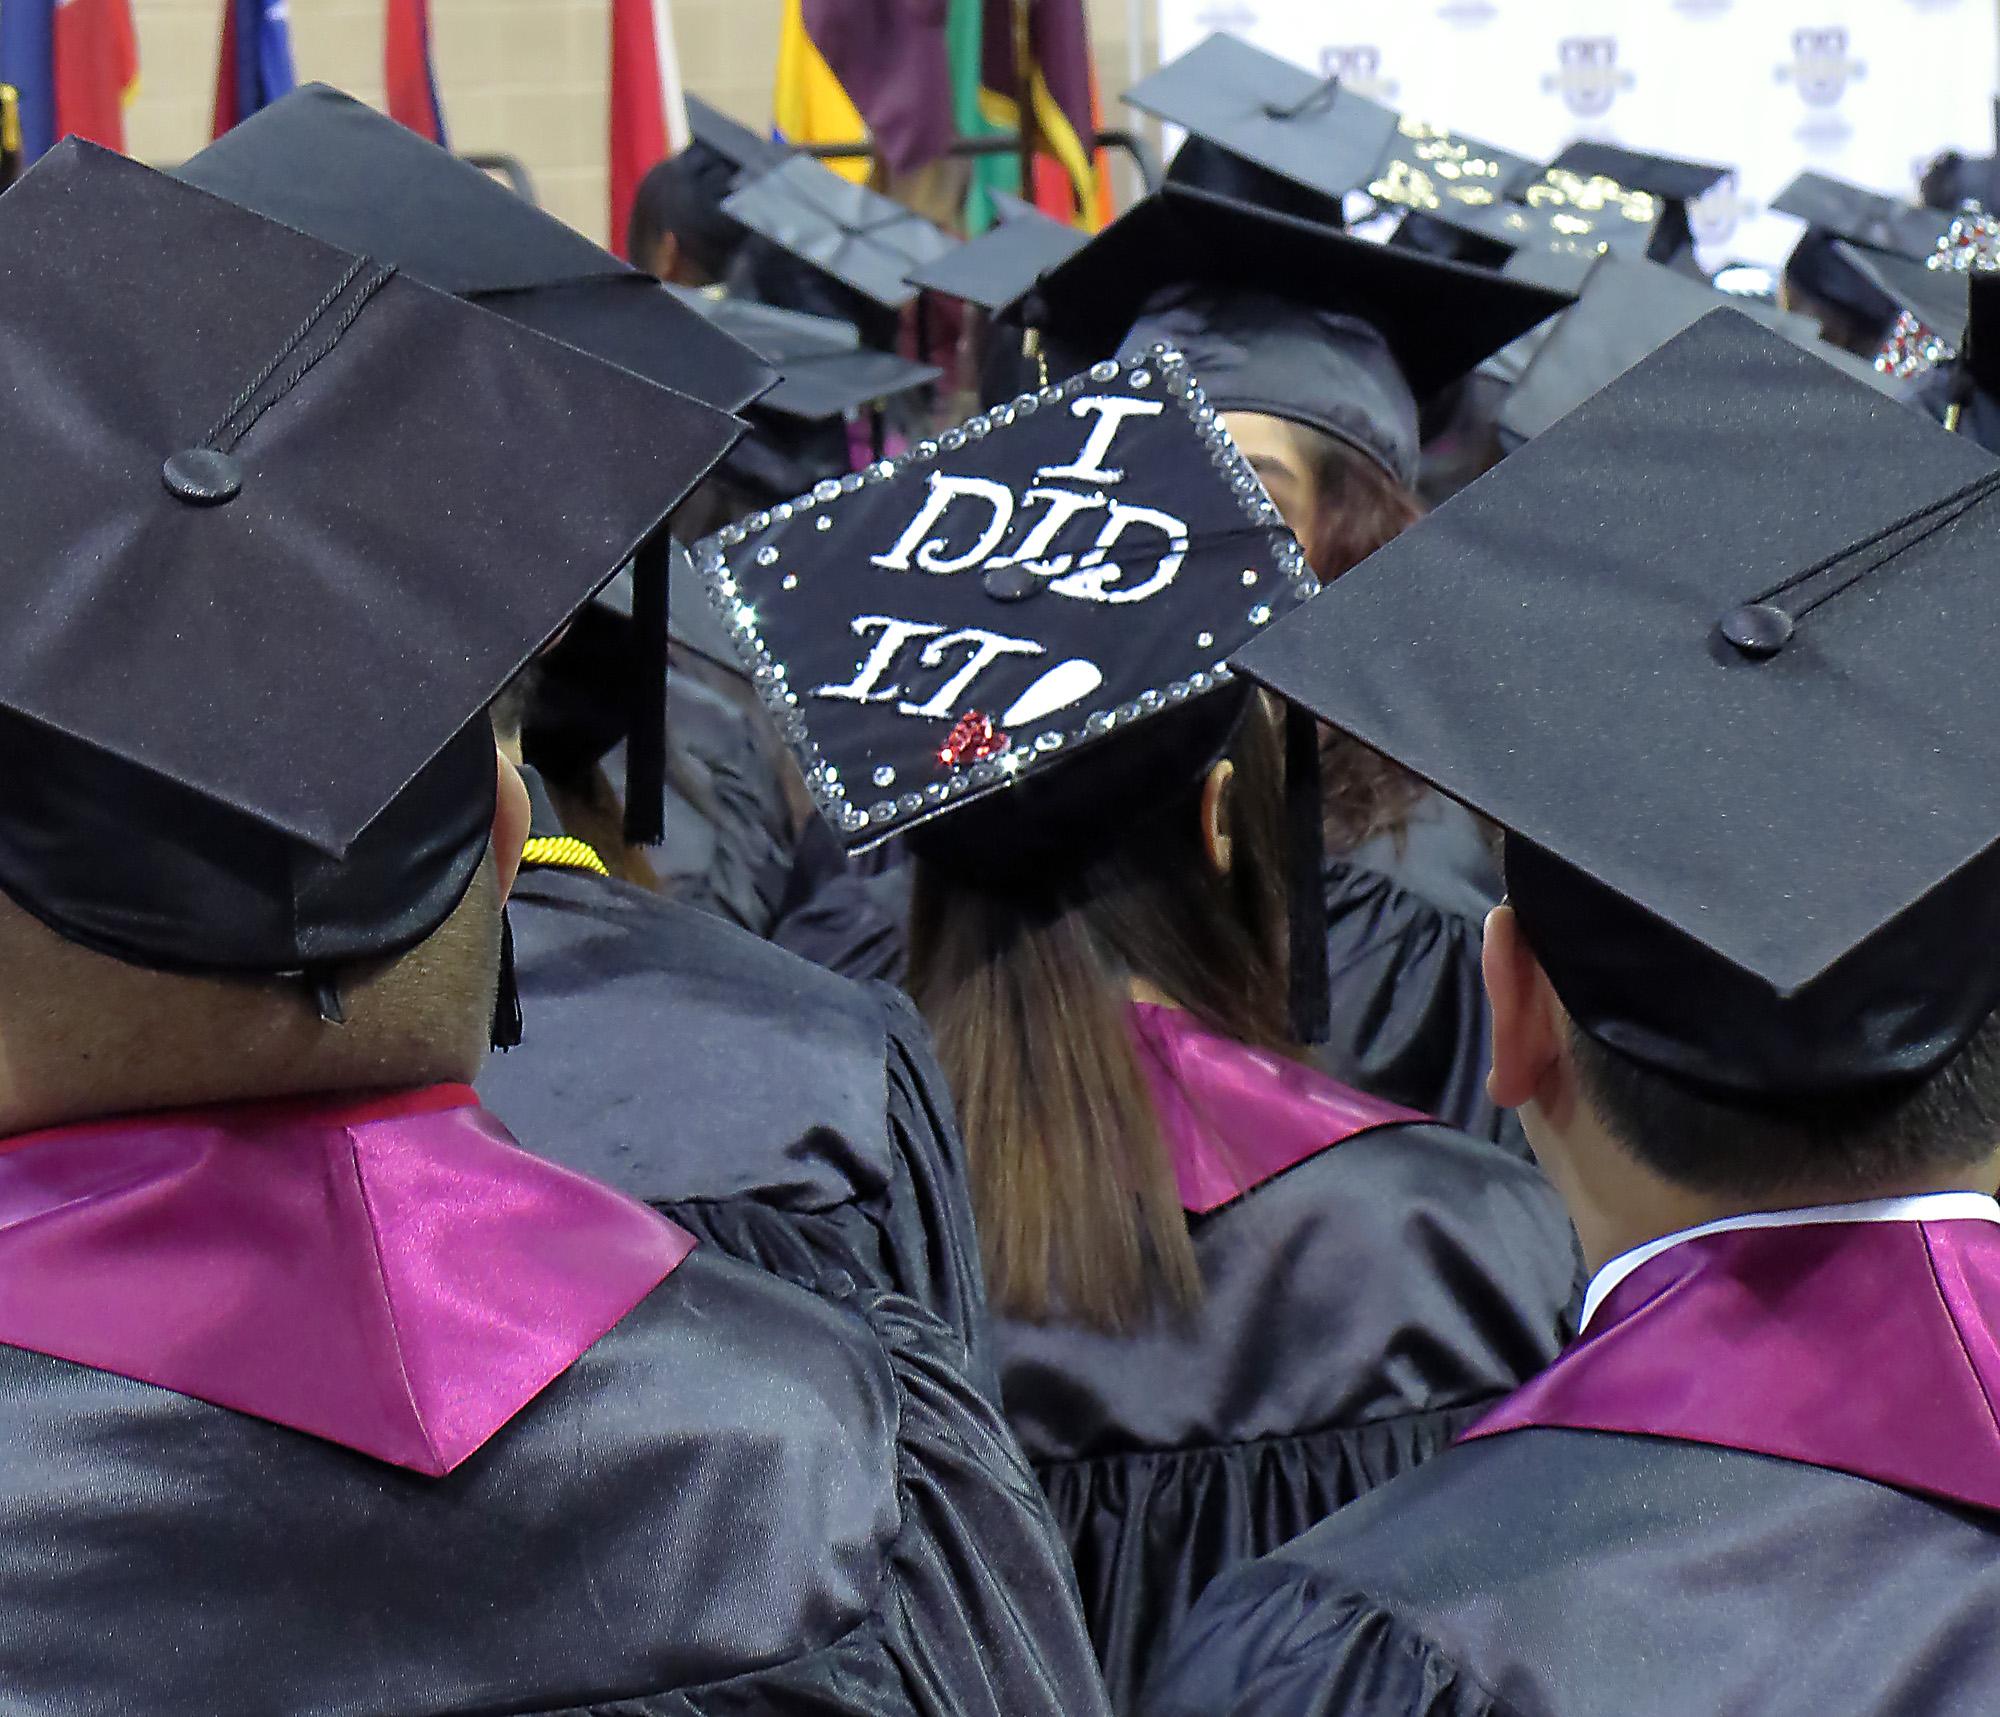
1216 841
1527 1018
512 815
665 263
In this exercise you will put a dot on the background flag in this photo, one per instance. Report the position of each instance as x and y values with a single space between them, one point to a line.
648 110
407 73
874 69
1071 183
256 61
74 65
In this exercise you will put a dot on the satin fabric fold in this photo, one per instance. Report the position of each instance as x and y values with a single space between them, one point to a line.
1863 1347
394 1275
1235 1117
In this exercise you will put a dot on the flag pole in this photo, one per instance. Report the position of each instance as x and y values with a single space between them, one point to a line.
1024 94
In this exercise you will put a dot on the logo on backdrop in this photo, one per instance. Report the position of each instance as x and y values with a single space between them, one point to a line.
1359 69
1467 14
1714 216
1702 8
1230 19
1590 77
1821 67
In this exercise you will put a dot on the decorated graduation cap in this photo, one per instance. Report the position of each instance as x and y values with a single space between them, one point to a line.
1839 216
1285 317
998 267
281 522
321 162
1675 181
1715 651
864 240
1017 632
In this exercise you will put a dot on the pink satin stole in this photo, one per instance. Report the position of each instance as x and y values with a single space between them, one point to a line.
1236 1117
393 1275
1865 1347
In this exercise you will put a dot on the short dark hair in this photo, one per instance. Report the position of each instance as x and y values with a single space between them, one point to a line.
1844 1146
683 195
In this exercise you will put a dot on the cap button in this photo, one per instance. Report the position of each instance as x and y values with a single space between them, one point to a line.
202 477
1010 583
1757 629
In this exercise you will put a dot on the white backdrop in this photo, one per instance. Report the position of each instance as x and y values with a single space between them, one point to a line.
1866 90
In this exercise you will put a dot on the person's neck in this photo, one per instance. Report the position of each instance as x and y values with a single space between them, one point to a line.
1618 1204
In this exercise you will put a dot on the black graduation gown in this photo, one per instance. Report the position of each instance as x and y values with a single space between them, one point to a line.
1363 1307
1409 1019
1559 1573
701 1070
742 1499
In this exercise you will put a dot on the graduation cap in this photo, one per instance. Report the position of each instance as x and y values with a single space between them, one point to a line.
825 371
863 240
333 167
281 523
1253 118
326 164
1439 318
1027 614
743 150
997 268
1843 211
1673 180
1628 308
1715 650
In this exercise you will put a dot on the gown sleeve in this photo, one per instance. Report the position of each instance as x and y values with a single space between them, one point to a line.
845 914
1276 1641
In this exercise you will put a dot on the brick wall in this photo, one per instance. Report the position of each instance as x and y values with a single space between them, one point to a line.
527 77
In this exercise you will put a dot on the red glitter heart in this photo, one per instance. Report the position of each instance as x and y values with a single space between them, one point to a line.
973 739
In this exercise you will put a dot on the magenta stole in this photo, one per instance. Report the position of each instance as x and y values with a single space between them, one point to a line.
394 1275
1865 1347
1235 1117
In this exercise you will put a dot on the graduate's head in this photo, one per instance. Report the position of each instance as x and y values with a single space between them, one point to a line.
281 547
678 231
1025 957
84 1034
1589 1107
1734 718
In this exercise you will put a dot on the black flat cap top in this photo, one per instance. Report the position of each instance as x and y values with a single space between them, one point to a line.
1440 318
993 270
1069 566
1666 176
1862 216
1617 646
330 166
864 240
281 521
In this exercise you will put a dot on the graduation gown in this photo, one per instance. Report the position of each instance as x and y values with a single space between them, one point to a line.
724 1081
359 1409
1373 1284
1767 1479
1405 918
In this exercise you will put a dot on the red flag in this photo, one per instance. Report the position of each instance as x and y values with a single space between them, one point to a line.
648 112
407 72
96 67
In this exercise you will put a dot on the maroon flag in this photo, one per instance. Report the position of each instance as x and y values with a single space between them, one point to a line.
890 58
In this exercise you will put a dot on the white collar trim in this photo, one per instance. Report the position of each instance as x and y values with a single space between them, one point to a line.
1923 1207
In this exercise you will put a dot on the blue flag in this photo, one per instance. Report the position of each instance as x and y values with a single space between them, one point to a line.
28 62
256 66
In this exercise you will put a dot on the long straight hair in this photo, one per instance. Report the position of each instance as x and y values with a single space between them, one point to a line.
1027 988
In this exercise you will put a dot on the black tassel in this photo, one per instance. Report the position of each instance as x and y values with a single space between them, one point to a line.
326 997
507 993
646 741
1305 858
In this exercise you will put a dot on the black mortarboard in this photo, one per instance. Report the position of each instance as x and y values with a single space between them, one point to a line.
326 164
993 270
862 239
1862 217
1628 308
1668 177
281 523
1558 212
1716 651
745 150
330 166
1439 318
1250 114
824 371
1935 297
